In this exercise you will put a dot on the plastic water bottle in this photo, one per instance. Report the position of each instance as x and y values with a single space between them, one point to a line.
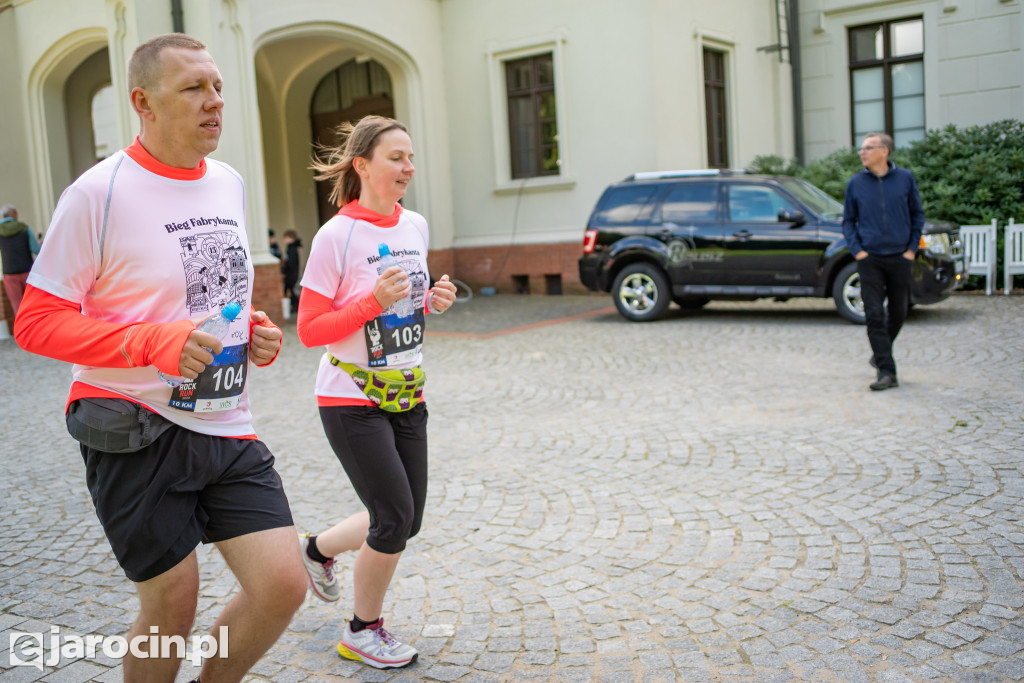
217 325
403 307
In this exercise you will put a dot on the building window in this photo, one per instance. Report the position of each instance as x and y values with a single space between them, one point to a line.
714 103
532 122
887 80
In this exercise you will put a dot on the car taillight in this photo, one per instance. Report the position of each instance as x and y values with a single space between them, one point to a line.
589 240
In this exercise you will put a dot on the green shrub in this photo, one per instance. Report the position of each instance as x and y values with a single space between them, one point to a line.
773 165
966 176
971 175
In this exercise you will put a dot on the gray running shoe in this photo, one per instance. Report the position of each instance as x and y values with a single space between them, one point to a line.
376 647
884 382
321 576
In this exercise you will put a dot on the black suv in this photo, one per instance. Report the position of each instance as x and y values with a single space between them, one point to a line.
693 236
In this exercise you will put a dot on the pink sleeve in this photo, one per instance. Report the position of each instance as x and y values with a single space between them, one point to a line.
318 325
54 327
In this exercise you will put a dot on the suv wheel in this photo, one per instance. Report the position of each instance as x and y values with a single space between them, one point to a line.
846 294
641 292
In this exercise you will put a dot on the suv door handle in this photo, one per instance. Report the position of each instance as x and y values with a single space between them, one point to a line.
742 234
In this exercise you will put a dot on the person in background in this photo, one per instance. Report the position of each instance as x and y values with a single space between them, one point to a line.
369 383
275 249
18 247
882 222
290 266
128 264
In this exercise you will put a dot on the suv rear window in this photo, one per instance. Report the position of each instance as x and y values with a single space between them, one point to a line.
623 204
688 202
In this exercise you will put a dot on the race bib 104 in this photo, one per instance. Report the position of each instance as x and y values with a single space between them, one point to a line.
218 387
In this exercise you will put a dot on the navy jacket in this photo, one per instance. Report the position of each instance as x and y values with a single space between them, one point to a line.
883 216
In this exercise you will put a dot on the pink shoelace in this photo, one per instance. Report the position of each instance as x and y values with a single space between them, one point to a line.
384 637
329 569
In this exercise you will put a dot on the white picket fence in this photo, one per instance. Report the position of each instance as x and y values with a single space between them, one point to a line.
980 252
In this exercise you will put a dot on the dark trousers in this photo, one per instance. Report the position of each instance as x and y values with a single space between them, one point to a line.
289 291
883 277
385 457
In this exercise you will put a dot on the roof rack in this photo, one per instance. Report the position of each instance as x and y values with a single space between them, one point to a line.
655 175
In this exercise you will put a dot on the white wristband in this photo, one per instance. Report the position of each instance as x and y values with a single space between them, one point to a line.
430 299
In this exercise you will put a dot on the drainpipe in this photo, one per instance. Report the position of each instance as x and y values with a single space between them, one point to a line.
177 16
798 88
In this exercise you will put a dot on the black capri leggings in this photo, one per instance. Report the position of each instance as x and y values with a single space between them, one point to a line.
385 457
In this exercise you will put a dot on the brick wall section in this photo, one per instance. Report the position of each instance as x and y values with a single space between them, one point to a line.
496 266
267 290
440 262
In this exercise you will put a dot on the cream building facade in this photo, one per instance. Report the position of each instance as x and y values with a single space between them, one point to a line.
970 56
520 112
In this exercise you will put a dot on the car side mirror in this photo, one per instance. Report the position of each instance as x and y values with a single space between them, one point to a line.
795 217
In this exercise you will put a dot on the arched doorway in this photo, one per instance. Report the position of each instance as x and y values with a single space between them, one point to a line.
59 94
359 87
88 79
295 62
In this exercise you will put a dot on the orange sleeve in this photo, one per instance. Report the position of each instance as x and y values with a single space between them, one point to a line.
318 325
50 326
268 323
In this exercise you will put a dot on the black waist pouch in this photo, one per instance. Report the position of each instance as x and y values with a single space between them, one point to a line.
114 425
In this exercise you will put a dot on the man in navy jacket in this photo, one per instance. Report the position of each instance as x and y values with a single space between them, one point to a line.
882 222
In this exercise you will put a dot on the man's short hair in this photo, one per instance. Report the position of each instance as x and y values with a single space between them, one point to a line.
886 140
8 210
144 65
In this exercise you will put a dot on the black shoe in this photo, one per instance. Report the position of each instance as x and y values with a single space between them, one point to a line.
885 382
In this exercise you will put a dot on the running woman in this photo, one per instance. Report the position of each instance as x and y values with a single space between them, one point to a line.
369 384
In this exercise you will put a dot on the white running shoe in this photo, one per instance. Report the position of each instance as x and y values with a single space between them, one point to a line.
375 646
321 576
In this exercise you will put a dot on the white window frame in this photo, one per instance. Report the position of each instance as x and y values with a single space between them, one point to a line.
833 84
497 55
890 102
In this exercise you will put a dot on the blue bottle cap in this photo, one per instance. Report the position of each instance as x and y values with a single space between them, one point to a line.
232 310
383 249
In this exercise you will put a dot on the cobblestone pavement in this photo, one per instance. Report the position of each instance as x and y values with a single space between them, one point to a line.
713 497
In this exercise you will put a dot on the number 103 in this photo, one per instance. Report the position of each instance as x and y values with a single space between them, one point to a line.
408 335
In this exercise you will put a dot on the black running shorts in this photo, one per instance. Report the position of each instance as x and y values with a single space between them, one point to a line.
157 504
